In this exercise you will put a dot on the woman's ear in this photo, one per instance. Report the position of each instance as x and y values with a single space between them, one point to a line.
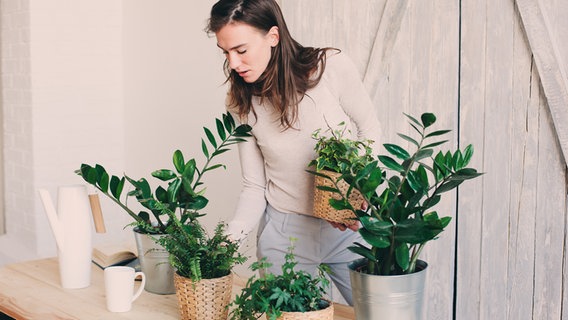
274 36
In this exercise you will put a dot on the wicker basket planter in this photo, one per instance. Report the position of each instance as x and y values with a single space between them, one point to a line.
206 299
324 314
323 210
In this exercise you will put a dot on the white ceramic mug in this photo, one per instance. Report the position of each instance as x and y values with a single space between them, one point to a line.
119 288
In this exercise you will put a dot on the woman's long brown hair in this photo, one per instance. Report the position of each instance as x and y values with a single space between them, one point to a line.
291 71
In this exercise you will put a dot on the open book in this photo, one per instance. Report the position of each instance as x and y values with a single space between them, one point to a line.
112 254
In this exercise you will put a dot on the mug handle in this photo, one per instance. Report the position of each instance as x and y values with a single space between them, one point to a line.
137 294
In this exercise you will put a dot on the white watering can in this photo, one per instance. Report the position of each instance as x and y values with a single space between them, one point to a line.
71 225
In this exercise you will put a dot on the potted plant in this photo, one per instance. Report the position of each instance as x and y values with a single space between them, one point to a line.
334 154
181 196
291 295
399 220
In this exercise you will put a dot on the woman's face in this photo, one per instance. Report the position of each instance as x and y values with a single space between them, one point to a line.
247 48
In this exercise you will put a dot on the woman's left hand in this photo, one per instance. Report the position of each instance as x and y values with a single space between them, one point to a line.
341 226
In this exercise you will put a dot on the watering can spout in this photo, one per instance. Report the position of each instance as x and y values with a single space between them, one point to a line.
56 225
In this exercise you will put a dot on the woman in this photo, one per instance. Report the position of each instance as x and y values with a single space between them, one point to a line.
285 92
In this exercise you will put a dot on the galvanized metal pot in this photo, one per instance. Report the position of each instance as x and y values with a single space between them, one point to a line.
387 297
155 264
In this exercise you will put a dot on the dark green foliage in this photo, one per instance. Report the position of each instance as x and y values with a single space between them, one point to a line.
336 153
182 193
400 190
292 291
173 209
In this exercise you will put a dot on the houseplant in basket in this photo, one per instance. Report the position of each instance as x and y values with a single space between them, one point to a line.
292 295
334 154
180 196
400 190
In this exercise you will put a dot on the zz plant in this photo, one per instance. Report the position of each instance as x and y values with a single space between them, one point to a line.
291 291
183 194
400 190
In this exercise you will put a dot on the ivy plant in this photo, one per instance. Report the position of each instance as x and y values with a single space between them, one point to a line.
291 291
401 189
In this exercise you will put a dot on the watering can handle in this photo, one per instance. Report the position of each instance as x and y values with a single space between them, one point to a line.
97 212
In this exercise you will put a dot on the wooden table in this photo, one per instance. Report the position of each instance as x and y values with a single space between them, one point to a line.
32 290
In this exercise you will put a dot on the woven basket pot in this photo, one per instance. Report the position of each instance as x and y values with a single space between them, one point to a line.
324 314
323 210
205 299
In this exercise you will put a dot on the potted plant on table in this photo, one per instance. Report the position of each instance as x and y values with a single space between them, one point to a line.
334 154
292 295
399 219
181 197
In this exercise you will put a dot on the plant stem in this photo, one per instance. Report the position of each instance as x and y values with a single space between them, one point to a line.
414 258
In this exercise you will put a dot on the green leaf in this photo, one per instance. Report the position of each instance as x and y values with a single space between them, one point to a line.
228 122
104 181
391 163
397 151
428 119
210 137
178 161
423 153
437 133
220 129
402 255
116 186
213 167
243 130
374 240
204 149
329 189
164 174
375 226
362 251
447 186
413 119
435 144
409 139
467 154
173 189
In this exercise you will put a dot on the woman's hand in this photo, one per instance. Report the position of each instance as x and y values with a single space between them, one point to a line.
341 226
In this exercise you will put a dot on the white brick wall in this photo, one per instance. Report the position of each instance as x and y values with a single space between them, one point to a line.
63 105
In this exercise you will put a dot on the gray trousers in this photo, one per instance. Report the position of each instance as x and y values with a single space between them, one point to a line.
318 242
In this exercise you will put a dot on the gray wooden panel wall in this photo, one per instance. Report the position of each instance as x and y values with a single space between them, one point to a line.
470 63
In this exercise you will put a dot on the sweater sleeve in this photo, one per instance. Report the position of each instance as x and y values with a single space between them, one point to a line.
353 97
252 200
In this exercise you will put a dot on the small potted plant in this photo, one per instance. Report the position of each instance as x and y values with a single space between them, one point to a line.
291 295
334 154
182 196
400 190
